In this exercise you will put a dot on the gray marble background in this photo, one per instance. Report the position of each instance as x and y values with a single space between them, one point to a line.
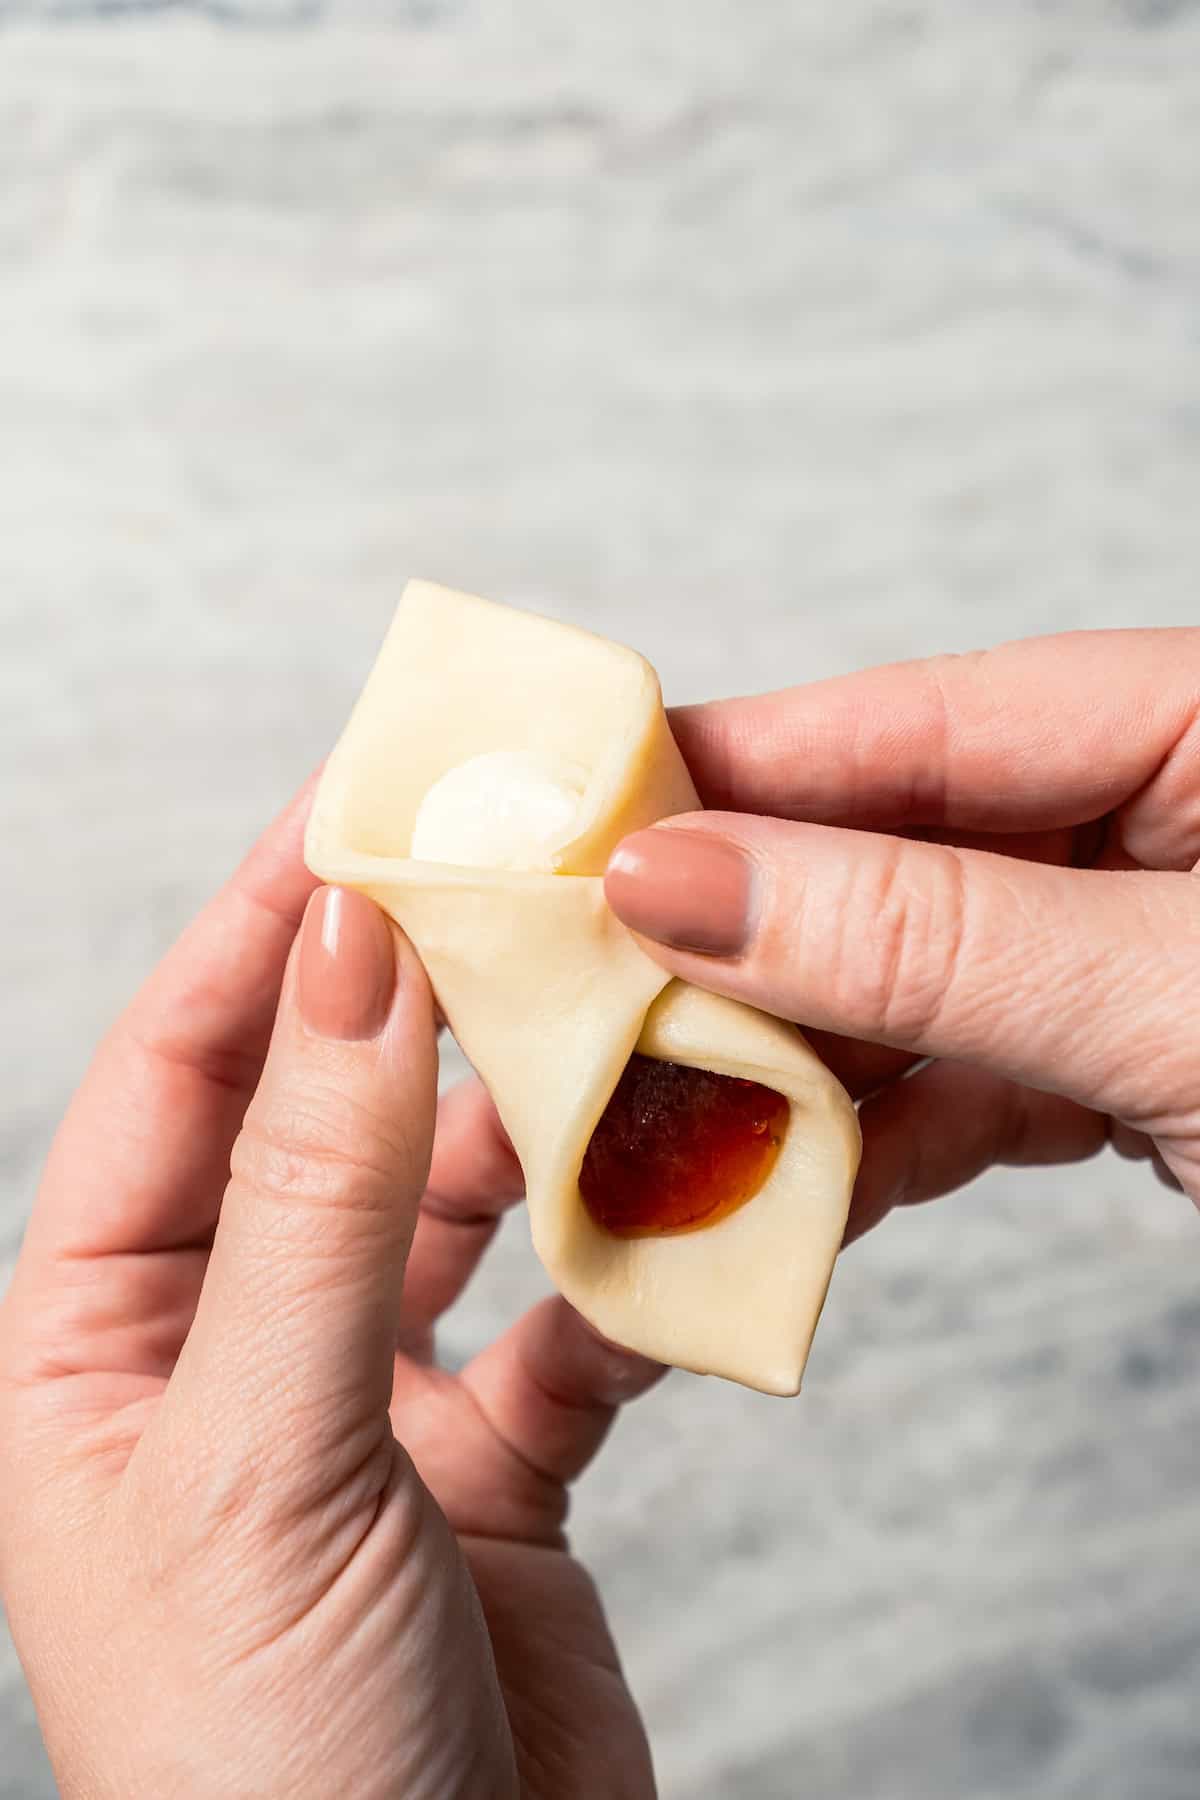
776 339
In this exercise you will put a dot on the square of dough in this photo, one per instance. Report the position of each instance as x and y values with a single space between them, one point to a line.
546 991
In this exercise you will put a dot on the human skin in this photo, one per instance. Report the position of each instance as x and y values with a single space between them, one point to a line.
249 1550
248 1546
987 861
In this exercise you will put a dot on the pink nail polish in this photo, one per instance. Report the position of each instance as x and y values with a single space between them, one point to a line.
685 889
347 968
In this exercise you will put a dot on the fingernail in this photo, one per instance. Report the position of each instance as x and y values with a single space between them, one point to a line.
347 972
683 888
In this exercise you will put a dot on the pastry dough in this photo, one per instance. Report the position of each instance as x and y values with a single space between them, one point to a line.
546 991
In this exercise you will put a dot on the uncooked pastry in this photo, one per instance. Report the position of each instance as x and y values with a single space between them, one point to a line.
562 740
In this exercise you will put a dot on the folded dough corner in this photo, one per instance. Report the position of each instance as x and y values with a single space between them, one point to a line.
546 991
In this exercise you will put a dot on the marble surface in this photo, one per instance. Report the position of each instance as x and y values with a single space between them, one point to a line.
776 339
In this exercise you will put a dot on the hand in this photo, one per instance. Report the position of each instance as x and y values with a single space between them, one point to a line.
993 872
224 1574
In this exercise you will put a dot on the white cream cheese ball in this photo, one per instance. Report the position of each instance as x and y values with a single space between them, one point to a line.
506 809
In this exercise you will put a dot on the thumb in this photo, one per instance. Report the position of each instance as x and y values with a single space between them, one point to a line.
297 1318
1065 979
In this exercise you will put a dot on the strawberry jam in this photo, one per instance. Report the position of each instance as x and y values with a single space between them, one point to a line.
679 1148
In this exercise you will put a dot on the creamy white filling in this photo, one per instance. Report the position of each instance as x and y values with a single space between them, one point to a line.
506 809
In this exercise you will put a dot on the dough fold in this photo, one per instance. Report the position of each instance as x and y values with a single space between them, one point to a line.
549 995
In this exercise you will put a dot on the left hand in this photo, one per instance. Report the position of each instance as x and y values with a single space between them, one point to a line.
246 1547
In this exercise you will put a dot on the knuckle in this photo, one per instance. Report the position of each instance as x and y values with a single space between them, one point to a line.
942 678
205 1519
622 1375
899 943
314 1156
610 1373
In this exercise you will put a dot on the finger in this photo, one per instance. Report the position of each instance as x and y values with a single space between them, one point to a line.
936 1131
1094 845
475 1177
142 1155
124 1320
297 1317
1067 847
1135 1146
551 1387
1066 979
1030 736
859 1066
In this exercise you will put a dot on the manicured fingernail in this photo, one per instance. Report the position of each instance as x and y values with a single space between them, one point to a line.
683 888
347 973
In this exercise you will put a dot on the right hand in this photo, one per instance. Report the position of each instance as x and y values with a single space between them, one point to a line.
987 861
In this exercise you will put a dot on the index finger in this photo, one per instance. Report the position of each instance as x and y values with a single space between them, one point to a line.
474 1178
1031 736
142 1156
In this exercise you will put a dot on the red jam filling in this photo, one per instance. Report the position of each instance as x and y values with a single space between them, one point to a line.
678 1148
